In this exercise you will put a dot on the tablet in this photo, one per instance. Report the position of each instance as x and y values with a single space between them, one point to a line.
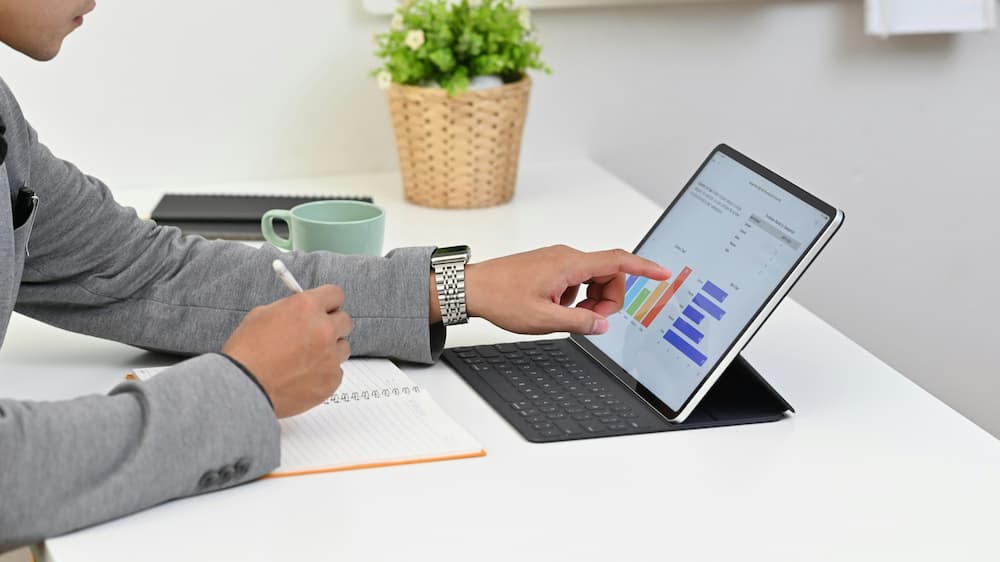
736 238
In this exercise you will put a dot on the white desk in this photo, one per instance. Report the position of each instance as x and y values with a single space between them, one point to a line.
871 467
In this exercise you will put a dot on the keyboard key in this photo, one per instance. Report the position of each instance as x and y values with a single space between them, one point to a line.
507 348
543 425
487 351
593 427
522 405
525 345
536 419
610 420
551 433
528 413
500 385
569 427
542 402
556 415
617 427
580 417
638 424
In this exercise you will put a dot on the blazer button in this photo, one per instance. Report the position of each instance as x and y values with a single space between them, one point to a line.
208 480
226 474
242 467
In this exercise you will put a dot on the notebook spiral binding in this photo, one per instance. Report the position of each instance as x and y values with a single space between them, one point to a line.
339 397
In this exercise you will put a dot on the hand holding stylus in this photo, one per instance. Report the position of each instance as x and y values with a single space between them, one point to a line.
295 346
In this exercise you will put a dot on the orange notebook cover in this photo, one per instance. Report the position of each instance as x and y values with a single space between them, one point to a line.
378 417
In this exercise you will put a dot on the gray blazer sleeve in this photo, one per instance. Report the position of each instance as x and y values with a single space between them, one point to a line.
95 267
198 427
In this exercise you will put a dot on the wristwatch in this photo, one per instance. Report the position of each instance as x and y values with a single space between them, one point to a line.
449 276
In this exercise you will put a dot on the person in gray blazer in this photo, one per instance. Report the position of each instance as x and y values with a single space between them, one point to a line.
72 257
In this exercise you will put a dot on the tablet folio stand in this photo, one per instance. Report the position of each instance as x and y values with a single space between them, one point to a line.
740 396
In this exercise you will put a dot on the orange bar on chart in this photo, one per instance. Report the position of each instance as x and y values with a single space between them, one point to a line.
674 287
652 298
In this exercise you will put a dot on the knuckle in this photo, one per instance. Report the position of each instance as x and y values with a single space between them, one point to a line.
348 322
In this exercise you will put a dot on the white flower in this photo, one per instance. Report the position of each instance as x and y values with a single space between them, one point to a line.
397 22
415 38
384 79
524 18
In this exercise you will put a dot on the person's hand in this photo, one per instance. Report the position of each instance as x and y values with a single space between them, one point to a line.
295 347
531 293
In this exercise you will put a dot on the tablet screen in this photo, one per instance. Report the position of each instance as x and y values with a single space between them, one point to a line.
729 239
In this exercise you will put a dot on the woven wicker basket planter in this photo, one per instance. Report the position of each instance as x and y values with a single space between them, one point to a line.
461 151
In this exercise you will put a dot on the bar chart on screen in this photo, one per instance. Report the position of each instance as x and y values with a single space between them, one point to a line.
690 317
689 327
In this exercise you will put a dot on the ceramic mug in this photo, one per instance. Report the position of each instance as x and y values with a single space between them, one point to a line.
341 226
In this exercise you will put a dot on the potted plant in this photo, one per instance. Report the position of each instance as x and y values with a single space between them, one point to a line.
454 72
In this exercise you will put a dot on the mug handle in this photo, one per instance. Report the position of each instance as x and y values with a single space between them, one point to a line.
267 228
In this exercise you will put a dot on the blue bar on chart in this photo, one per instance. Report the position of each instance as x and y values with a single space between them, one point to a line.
688 330
631 293
684 347
714 291
709 307
693 314
628 282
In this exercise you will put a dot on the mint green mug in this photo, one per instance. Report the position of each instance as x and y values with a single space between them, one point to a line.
341 226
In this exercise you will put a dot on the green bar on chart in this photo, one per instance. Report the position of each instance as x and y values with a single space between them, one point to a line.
637 302
662 286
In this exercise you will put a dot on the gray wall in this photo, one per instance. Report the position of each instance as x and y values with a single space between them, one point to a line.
901 133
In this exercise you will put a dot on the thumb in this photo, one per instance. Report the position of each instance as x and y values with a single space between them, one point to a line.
579 321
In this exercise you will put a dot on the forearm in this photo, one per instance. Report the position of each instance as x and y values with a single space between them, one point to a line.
67 465
187 295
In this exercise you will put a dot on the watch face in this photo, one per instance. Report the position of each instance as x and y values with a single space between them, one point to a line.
452 251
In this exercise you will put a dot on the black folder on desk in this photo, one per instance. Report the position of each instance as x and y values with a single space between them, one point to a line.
229 216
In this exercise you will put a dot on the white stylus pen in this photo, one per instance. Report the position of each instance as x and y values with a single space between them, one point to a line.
286 276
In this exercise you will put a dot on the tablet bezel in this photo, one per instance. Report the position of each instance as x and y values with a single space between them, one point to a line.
767 306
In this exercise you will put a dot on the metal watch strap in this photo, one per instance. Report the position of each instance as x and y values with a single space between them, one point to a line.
449 278
450 281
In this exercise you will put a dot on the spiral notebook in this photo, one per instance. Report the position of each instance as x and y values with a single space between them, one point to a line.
378 417
227 215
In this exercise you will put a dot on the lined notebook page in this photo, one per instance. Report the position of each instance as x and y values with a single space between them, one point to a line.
385 419
378 417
